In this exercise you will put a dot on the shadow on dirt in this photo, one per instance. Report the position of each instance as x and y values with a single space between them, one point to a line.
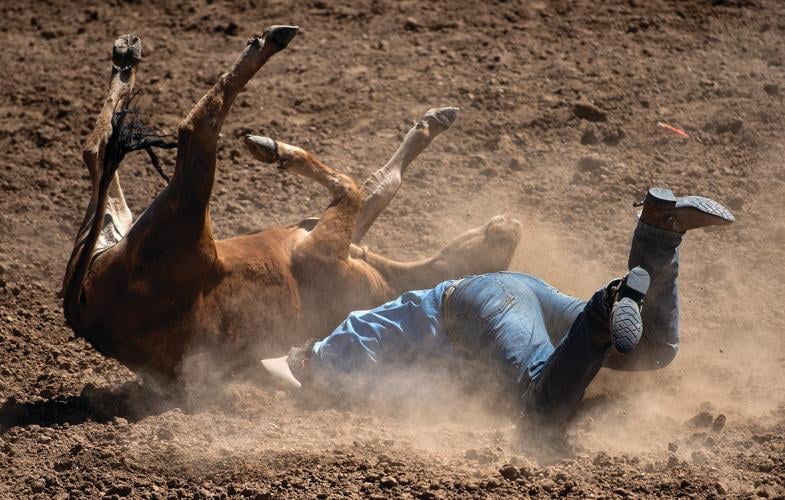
131 401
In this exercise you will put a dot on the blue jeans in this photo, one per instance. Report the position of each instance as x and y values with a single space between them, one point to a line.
548 345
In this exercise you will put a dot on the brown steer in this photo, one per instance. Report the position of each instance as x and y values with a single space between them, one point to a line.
152 291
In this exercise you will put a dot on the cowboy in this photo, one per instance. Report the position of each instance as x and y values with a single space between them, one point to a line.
545 346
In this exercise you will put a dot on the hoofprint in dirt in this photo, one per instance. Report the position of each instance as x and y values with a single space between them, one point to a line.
560 104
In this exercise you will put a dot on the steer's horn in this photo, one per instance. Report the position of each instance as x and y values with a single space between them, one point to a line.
279 369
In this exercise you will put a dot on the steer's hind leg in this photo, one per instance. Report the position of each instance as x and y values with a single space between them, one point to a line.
380 188
331 237
485 249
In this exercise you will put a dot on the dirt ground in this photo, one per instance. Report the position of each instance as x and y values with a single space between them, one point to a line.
712 424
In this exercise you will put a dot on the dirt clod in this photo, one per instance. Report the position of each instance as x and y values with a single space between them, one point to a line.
589 112
509 472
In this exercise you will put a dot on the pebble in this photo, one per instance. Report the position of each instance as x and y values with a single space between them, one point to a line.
726 124
121 490
718 423
388 482
515 165
589 112
509 472
412 24
38 486
702 419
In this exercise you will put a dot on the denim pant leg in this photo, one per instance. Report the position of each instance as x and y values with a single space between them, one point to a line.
657 251
561 382
496 319
559 310
500 318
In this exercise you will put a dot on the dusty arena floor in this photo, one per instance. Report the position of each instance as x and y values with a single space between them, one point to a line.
76 425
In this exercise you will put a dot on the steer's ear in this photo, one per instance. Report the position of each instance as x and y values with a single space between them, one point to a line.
279 369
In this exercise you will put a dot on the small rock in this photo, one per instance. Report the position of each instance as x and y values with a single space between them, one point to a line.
231 28
726 124
718 423
38 486
526 467
721 488
771 89
673 447
412 24
672 462
509 472
589 112
388 482
515 165
121 490
702 419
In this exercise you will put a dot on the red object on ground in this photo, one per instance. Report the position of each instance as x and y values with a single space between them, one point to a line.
673 129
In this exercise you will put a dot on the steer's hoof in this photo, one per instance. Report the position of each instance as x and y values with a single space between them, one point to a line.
281 35
503 229
443 116
262 148
127 51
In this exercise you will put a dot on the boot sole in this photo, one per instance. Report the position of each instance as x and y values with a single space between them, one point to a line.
626 321
702 210
691 211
